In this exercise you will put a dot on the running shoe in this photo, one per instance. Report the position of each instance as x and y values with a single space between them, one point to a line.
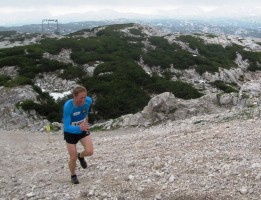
82 161
74 180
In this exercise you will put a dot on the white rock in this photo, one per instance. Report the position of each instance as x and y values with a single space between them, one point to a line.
29 195
171 178
243 190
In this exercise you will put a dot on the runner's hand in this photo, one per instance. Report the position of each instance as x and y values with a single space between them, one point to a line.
84 126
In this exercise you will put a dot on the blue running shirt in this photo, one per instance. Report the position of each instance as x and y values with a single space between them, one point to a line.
74 115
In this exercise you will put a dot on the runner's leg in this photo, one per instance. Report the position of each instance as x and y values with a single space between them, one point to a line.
87 145
72 150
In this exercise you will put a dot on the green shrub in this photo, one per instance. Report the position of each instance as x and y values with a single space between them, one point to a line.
83 57
51 65
47 108
7 33
15 61
223 86
178 88
211 35
201 69
135 31
72 72
217 55
4 79
254 67
42 96
160 42
18 81
14 51
26 105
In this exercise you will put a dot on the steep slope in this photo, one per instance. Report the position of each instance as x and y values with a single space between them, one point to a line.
213 157
125 65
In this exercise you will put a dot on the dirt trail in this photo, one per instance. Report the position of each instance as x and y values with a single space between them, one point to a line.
179 160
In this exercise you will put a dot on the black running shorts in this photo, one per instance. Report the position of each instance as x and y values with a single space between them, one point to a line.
74 138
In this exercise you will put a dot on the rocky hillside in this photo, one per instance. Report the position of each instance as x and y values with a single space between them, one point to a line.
172 148
235 84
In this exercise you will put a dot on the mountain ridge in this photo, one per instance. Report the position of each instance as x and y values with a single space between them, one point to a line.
245 26
170 71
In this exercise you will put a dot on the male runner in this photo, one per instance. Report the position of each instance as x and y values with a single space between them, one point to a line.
76 128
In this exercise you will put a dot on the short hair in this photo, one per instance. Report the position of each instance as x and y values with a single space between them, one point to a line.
78 89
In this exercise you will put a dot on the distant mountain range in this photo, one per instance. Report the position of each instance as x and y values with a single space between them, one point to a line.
245 27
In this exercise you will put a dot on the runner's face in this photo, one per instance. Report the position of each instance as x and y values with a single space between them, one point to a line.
80 98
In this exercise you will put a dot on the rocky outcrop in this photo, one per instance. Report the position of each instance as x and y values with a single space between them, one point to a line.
248 43
10 71
11 116
51 83
166 107
8 44
64 56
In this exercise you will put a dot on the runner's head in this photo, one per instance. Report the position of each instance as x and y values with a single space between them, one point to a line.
79 95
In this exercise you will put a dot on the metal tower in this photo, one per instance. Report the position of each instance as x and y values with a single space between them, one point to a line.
48 24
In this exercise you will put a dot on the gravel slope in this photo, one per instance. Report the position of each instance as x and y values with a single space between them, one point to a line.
195 159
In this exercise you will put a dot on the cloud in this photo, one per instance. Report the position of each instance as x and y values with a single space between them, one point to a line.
125 3
35 10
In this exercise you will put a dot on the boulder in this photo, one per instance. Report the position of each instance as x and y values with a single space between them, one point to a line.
166 106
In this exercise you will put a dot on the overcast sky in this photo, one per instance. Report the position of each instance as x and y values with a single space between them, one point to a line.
18 12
